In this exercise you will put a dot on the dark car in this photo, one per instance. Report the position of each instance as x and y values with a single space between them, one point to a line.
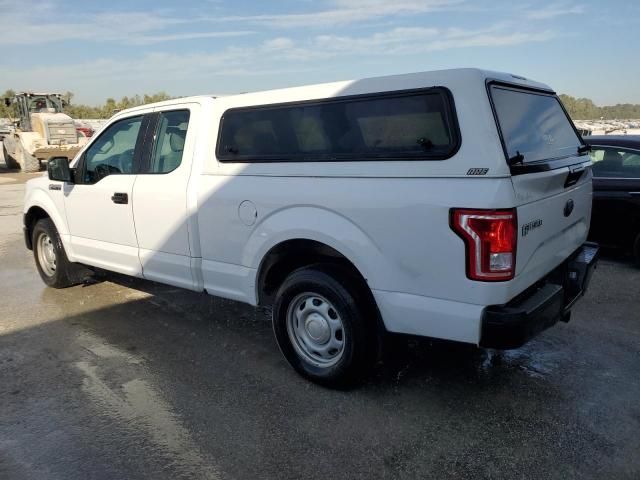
616 191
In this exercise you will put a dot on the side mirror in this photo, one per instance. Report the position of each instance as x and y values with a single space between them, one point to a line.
58 169
7 101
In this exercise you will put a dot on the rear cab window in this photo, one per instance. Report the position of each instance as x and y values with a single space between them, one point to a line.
534 126
395 125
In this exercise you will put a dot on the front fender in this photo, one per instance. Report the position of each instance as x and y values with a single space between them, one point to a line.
321 225
36 196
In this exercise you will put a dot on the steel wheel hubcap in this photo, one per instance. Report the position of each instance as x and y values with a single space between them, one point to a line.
46 255
315 329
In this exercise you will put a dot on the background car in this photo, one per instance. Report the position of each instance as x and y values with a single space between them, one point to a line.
615 218
84 128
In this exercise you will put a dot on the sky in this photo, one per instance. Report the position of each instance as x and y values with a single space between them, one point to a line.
100 49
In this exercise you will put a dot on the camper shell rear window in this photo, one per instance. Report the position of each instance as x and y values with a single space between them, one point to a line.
533 125
405 125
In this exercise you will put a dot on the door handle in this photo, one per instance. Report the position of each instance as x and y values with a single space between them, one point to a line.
120 198
573 176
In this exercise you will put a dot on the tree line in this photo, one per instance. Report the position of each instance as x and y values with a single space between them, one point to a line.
578 108
106 110
585 109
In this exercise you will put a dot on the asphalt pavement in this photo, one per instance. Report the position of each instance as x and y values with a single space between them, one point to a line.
125 379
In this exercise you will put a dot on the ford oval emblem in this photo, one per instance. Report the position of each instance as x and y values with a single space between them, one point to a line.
568 208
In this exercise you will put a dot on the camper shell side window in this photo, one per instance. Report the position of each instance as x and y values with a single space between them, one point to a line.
402 125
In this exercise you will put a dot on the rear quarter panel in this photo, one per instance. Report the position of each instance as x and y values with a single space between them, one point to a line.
395 231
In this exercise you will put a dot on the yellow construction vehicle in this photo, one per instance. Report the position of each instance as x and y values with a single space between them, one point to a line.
42 131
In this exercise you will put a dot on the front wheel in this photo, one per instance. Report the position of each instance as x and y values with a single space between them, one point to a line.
54 267
324 324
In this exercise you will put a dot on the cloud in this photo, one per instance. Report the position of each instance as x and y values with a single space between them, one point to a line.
279 43
55 23
553 11
272 57
392 41
147 28
345 12
21 27
346 31
149 39
417 40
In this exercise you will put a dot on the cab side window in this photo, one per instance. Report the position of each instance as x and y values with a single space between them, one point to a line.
171 132
611 162
112 153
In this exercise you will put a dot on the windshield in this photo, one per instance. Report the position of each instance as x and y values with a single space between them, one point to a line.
534 126
41 103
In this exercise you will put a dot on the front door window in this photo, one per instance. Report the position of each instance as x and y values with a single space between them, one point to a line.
112 153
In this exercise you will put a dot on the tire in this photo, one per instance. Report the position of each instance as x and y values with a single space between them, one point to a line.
636 250
337 344
9 161
51 260
28 163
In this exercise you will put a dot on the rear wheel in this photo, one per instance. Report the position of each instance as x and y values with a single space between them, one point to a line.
9 161
51 260
324 325
28 163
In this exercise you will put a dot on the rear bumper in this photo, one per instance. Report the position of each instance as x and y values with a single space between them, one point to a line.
511 325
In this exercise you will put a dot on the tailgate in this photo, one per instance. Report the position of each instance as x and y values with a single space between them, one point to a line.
553 217
551 177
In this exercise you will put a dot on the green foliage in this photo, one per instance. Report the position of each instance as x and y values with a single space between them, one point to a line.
585 109
111 106
578 108
106 110
6 112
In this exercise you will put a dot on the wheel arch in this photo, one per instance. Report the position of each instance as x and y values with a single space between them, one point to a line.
288 255
40 206
31 217
294 253
323 232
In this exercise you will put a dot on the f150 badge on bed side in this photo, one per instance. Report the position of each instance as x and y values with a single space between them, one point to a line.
527 227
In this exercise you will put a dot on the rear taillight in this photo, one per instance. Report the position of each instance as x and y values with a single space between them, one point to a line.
490 238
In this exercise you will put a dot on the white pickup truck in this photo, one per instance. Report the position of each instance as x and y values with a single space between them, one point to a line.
451 204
